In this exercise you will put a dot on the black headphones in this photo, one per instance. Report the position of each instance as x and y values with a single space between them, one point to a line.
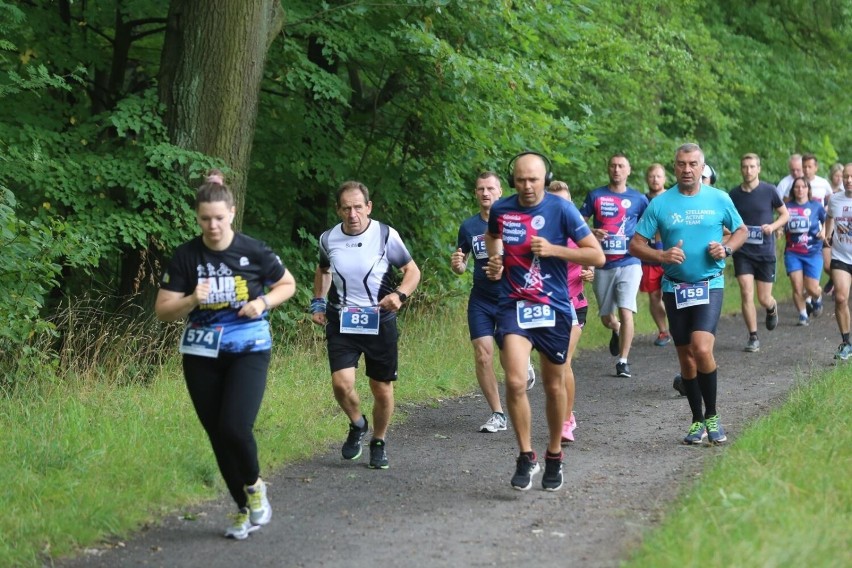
548 176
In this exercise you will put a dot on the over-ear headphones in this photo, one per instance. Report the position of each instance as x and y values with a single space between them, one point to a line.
548 176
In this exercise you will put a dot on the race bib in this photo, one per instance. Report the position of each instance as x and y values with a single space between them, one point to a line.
799 224
364 321
692 294
614 244
532 315
477 245
755 235
202 341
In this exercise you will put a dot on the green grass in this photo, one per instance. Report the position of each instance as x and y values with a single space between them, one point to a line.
92 457
780 496
98 454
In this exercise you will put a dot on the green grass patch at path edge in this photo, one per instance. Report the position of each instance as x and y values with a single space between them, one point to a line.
780 496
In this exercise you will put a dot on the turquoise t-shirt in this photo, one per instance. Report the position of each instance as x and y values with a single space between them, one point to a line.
696 220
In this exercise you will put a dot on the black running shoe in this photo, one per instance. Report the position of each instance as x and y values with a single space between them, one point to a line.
678 385
552 478
772 318
524 472
378 454
622 370
352 446
613 344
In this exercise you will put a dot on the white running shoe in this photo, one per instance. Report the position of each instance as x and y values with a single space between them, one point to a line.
260 511
530 376
497 423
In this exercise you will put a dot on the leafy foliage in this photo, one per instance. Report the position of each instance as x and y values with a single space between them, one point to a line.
414 99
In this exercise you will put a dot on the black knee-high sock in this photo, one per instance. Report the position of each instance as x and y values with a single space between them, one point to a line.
707 384
693 395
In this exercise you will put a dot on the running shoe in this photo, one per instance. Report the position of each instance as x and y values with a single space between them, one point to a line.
260 511
696 435
378 454
613 344
663 339
753 345
817 308
803 321
844 351
524 471
568 429
552 478
715 432
622 370
678 385
772 318
352 446
497 423
828 288
530 377
809 307
241 526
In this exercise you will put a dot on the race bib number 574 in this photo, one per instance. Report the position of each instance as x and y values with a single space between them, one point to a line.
202 341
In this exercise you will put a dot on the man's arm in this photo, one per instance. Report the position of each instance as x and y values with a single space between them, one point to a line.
410 278
322 284
588 253
780 221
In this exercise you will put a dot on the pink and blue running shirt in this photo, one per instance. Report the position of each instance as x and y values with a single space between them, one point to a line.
617 214
696 220
806 221
526 276
575 282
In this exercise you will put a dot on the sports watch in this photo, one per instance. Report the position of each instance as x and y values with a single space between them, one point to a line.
728 251
402 295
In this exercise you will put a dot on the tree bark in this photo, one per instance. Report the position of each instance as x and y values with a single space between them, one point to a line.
210 74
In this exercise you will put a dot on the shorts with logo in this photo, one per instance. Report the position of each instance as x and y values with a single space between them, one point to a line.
381 355
684 321
617 288
809 264
763 270
652 278
481 316
552 342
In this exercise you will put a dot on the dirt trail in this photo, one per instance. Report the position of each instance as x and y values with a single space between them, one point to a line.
446 500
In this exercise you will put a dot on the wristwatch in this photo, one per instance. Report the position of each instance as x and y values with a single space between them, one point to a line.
402 295
728 251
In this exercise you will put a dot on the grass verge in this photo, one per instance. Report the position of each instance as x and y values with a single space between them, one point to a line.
780 496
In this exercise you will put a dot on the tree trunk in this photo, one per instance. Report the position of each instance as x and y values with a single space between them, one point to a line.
210 74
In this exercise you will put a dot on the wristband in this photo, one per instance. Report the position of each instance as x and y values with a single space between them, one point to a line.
318 306
265 301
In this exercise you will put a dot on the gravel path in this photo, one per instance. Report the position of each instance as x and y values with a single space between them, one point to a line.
446 500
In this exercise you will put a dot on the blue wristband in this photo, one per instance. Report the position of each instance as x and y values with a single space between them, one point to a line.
318 306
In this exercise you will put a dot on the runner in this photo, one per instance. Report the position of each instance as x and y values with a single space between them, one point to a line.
219 282
690 219
803 249
357 258
523 242
838 230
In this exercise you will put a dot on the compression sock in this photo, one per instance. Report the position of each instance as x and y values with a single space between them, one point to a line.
693 395
707 383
